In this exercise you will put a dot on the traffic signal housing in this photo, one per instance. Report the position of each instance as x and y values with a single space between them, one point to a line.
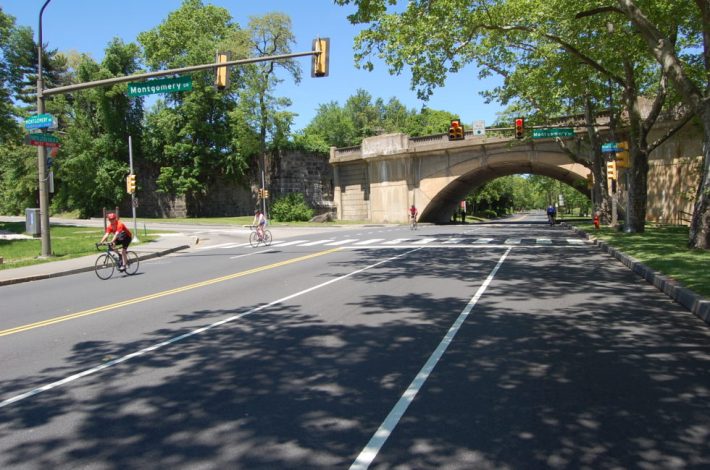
519 128
321 58
622 157
131 184
221 79
456 131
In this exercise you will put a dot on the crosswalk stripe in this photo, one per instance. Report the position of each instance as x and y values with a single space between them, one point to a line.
293 242
453 240
317 242
370 241
544 241
424 241
482 241
396 241
575 241
513 241
342 242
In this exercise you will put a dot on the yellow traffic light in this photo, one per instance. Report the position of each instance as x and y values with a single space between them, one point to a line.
519 128
622 158
456 131
611 170
319 67
131 184
221 80
266 194
590 181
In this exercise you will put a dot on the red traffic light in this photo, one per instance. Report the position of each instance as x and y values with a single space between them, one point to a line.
519 128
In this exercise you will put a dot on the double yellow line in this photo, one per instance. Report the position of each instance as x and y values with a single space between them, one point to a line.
157 295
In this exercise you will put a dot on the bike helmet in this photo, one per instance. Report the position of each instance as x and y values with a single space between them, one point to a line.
111 216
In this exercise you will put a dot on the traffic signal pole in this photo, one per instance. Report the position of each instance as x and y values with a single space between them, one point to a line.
42 154
133 193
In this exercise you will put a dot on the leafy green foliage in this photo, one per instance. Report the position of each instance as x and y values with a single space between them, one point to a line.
291 208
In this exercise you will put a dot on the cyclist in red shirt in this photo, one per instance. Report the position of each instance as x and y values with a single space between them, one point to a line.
121 235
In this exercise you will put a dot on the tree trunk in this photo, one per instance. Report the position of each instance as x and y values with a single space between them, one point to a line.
700 225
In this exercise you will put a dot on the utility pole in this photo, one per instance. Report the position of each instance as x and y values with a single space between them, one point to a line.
42 153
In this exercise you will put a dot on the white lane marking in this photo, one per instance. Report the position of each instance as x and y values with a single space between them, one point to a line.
575 241
293 242
368 454
513 241
342 242
396 241
544 241
212 247
453 240
175 339
483 241
317 242
424 241
370 241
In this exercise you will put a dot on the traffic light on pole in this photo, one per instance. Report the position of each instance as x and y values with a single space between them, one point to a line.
519 128
611 170
131 184
319 67
266 194
622 157
221 80
590 181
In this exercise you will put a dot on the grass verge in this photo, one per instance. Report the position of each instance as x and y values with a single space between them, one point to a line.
663 248
67 242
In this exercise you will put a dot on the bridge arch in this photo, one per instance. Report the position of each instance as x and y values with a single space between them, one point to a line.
442 206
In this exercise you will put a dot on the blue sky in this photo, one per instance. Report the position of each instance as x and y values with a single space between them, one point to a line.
88 25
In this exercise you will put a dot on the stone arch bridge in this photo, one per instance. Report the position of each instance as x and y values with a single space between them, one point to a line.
378 180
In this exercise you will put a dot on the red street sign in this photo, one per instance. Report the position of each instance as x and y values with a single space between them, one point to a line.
42 140
39 143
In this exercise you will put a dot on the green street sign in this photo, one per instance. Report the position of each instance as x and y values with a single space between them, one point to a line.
42 140
553 132
40 121
161 85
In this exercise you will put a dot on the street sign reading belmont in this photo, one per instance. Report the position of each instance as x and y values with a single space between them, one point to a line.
40 121
554 132
162 85
42 140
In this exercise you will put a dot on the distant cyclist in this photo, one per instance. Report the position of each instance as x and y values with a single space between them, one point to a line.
121 236
259 222
551 213
413 213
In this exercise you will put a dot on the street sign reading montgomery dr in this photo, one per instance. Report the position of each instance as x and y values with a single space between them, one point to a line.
558 132
161 85
40 121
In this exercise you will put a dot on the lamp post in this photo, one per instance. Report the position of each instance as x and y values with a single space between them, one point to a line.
42 153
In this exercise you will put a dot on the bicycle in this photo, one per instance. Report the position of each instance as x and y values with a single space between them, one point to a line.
255 239
412 223
107 262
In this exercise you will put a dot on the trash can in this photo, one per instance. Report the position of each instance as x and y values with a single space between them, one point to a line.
32 223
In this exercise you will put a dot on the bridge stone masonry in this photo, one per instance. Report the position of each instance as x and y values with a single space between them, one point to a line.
378 180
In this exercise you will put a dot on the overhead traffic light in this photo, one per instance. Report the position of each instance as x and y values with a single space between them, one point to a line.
221 79
456 131
519 128
622 157
320 61
131 184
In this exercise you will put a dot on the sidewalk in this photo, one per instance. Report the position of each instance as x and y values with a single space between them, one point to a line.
164 245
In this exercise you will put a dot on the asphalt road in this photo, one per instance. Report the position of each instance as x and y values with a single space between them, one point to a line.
508 345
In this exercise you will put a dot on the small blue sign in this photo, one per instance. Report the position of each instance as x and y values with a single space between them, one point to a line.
40 121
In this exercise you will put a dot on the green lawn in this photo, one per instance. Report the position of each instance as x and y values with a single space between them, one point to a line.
67 242
663 249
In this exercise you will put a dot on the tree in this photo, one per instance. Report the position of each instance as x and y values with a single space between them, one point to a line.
438 38
687 64
193 134
8 124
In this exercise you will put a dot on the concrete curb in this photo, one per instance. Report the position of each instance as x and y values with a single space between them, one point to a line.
695 303
38 277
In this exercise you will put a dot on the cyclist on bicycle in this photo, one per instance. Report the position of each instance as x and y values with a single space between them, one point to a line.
260 222
413 214
121 235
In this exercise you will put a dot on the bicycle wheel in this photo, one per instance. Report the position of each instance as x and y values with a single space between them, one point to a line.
254 239
133 263
267 238
104 266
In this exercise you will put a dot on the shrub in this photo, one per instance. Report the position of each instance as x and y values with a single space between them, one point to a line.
291 208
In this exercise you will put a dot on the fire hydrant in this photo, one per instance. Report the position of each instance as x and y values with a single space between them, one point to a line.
596 220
